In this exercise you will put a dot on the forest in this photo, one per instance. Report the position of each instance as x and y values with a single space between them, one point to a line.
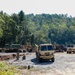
29 29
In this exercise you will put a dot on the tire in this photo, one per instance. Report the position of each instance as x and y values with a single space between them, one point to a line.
67 52
53 59
38 59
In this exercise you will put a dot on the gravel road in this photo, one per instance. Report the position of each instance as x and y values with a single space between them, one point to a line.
64 64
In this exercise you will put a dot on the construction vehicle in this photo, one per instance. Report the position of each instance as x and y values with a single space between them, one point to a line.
45 51
70 48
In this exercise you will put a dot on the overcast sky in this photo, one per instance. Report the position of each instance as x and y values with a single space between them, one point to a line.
38 6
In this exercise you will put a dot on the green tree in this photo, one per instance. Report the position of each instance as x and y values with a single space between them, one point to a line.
21 16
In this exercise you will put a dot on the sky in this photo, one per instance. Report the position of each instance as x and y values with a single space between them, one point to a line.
38 6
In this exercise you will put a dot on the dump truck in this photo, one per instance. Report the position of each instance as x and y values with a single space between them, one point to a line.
70 49
45 51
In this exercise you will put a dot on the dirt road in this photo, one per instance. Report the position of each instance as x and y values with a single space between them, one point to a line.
64 65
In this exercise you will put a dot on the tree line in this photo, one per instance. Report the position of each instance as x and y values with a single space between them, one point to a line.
54 28
14 29
25 29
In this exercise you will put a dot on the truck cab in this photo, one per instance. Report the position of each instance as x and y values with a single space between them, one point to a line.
45 51
70 49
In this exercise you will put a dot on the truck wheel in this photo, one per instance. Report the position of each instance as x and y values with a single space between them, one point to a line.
53 59
38 59
67 52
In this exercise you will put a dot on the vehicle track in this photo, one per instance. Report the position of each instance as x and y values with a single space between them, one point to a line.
64 64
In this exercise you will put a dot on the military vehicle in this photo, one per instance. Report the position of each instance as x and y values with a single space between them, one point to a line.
70 49
45 51
60 48
13 48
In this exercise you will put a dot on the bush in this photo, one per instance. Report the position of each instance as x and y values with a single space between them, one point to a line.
6 69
